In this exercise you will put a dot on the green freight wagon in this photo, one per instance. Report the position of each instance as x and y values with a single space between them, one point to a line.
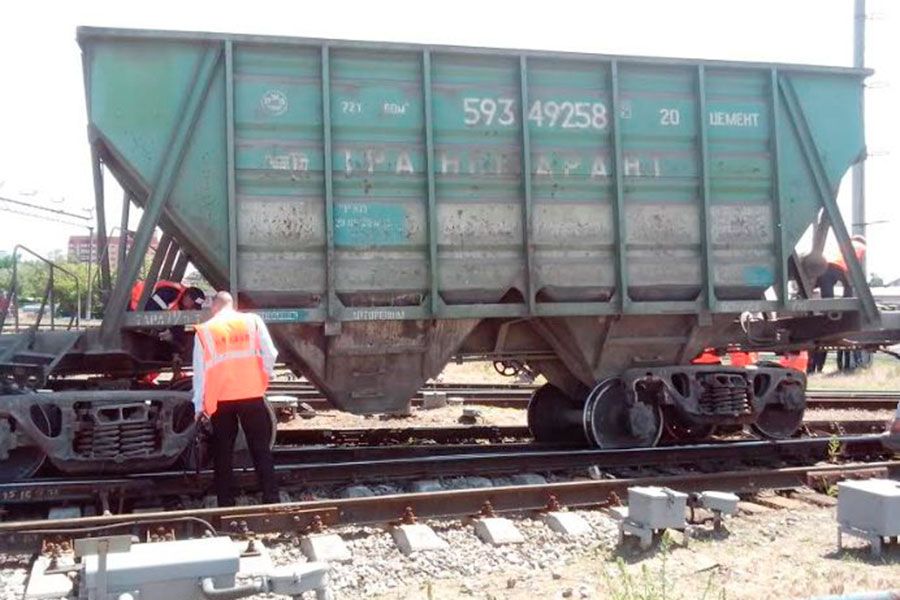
599 220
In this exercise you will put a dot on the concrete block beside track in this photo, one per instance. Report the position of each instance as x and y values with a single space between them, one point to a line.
566 523
498 531
433 400
416 538
325 547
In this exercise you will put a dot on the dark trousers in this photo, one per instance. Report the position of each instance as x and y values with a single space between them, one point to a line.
830 278
254 418
826 283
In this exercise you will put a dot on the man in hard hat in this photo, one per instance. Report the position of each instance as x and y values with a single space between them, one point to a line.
234 358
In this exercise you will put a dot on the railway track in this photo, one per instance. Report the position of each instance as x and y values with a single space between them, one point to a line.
500 434
302 468
302 517
517 396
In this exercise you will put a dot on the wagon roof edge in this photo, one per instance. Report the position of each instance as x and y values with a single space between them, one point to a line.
85 33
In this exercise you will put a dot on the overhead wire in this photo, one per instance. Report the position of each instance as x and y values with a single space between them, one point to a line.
44 208
43 217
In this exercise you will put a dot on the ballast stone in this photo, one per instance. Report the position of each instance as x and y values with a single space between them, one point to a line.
528 479
498 531
566 523
478 482
325 547
357 491
424 486
416 538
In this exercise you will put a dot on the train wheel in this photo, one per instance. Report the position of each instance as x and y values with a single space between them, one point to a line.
23 462
781 421
615 419
553 416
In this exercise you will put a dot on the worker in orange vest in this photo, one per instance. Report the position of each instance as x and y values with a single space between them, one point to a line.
167 295
795 360
742 359
707 357
234 358
835 272
837 269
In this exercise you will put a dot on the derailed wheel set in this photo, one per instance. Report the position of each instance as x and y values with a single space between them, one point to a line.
684 403
599 220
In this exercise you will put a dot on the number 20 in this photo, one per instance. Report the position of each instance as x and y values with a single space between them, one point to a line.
669 117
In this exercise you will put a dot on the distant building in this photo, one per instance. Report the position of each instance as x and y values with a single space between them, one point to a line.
82 248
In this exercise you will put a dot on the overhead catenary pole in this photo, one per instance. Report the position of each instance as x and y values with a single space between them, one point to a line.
858 212
90 274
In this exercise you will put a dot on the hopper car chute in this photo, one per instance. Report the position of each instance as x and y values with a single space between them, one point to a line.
388 207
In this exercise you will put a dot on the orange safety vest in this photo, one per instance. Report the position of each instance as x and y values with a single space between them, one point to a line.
138 288
838 261
742 359
795 360
232 360
707 357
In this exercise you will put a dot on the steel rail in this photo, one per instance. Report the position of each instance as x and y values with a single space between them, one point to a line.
303 474
462 387
301 517
518 395
517 399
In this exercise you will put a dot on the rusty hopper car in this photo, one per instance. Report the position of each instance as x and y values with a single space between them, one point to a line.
389 207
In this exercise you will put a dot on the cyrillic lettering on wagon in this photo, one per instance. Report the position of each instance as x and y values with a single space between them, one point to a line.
721 118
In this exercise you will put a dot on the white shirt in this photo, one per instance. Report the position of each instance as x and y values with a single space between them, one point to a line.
269 354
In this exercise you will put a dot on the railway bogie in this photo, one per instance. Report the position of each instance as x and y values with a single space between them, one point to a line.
634 409
96 431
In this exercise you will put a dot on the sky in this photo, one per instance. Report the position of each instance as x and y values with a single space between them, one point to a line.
44 154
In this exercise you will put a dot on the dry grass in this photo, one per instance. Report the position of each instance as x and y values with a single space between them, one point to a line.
883 375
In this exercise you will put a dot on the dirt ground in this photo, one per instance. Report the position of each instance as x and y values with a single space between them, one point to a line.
448 416
778 554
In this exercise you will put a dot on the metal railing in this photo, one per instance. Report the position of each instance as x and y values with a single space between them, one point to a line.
49 297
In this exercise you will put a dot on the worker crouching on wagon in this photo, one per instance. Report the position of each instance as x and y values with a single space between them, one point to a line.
234 358
837 270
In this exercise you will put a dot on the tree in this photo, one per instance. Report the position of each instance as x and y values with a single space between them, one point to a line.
33 277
